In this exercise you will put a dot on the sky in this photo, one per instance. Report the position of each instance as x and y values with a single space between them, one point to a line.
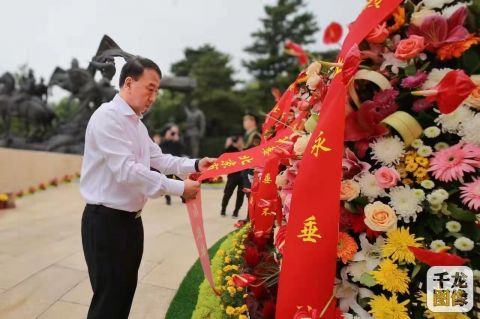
49 33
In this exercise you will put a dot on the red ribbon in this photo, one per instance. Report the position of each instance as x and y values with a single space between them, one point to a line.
257 156
312 229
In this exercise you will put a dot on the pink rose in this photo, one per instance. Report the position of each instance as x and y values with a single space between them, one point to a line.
379 34
410 48
387 177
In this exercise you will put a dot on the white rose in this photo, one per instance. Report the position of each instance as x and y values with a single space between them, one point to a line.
301 144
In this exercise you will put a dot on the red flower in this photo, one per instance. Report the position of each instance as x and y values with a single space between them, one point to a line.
363 124
294 49
438 30
452 90
243 280
276 93
333 33
432 258
252 256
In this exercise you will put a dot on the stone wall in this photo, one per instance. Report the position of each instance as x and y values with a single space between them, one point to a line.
20 169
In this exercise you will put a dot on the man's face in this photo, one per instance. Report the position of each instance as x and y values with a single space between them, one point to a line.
248 123
143 92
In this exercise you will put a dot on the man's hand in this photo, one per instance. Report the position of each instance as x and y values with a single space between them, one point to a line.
191 189
205 163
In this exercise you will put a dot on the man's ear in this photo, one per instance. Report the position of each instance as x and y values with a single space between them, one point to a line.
128 82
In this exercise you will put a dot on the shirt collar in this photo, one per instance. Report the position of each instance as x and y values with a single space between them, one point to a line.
124 108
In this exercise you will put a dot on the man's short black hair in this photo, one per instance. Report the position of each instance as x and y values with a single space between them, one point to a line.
134 68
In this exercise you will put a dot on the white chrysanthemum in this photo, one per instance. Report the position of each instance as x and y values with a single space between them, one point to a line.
431 132
434 77
419 193
425 151
435 199
452 122
405 203
441 146
417 143
388 150
427 184
443 194
464 244
369 187
436 208
476 274
448 11
445 210
470 130
433 4
453 226
437 244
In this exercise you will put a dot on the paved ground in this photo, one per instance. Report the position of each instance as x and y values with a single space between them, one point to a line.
42 268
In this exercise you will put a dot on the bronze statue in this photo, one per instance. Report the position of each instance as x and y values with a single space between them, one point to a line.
195 128
24 104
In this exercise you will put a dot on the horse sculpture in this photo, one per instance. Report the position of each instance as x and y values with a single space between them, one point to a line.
31 109
82 86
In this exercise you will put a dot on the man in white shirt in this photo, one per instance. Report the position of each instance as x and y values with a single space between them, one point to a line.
116 181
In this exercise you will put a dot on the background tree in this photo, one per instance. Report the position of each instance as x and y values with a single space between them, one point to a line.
286 20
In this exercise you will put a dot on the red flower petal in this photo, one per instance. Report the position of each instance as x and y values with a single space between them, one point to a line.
452 90
333 33
296 50
432 258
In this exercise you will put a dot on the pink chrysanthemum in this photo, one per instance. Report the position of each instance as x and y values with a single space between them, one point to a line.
451 163
471 194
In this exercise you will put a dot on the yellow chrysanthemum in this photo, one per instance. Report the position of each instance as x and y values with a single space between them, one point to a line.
422 161
397 243
422 297
407 181
411 167
383 308
420 172
230 310
391 277
3 197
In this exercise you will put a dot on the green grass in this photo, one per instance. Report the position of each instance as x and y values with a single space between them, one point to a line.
185 300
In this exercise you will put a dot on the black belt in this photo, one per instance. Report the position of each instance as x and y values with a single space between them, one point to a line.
109 210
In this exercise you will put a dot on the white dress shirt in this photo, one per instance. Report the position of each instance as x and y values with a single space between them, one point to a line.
117 159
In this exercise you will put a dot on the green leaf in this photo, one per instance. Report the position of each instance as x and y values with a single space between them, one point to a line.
436 224
368 280
461 214
411 69
416 270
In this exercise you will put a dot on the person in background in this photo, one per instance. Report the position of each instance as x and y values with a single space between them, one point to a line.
170 137
234 180
251 139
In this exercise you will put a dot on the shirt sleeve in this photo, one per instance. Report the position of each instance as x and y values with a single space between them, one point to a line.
116 149
169 164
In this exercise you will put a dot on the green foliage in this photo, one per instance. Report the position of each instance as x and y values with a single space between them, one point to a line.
210 305
184 301
65 109
217 99
167 108
270 66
